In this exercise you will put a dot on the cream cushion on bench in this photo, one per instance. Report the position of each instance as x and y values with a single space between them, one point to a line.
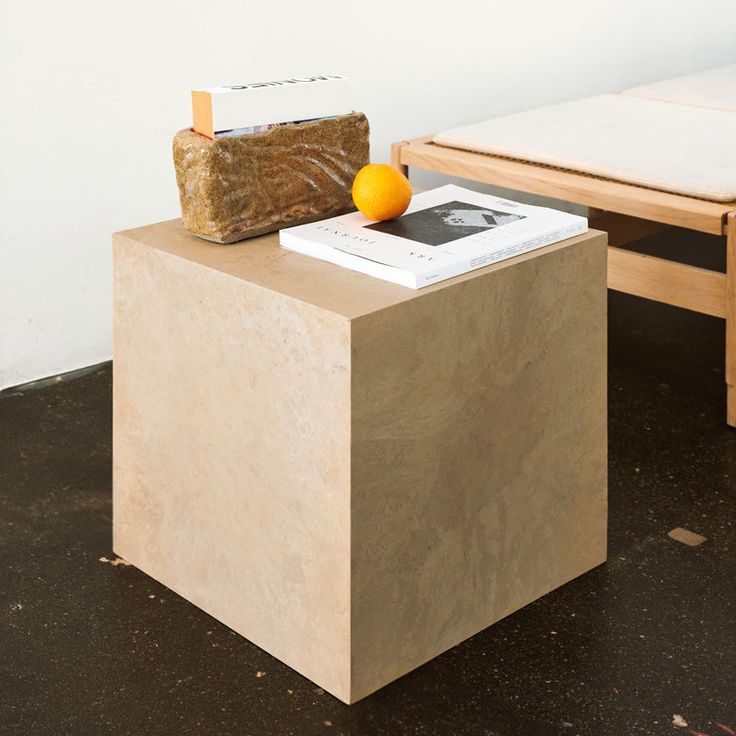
674 148
715 89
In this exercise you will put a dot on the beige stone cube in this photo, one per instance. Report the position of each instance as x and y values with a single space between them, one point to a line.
354 475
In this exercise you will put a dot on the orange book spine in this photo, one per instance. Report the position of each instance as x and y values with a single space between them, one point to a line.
202 114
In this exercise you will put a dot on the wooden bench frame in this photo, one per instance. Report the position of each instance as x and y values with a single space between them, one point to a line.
628 213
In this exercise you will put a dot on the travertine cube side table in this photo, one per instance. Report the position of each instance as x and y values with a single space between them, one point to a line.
354 475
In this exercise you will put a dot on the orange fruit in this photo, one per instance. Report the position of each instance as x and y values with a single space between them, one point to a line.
381 192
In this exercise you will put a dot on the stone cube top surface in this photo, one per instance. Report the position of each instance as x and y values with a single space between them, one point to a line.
261 261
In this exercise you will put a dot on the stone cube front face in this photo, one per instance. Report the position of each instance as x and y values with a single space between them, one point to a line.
231 450
353 475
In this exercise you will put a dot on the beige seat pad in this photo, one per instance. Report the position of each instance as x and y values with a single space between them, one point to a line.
685 150
715 89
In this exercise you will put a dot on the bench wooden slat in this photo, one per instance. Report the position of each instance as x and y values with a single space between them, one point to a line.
689 287
627 199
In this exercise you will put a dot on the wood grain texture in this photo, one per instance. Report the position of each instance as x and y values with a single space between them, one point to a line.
731 319
690 287
396 158
569 186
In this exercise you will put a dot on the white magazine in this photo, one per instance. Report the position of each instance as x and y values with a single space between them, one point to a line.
445 232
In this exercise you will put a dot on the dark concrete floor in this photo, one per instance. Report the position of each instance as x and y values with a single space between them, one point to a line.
87 647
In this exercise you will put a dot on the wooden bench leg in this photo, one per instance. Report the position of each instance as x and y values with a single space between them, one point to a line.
396 157
731 319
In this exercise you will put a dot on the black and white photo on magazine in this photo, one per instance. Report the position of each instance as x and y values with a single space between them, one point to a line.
445 222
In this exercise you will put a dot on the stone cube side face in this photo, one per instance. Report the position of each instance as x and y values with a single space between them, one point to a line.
240 187
231 454
478 455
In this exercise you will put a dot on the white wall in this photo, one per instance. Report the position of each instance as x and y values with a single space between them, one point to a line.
93 91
